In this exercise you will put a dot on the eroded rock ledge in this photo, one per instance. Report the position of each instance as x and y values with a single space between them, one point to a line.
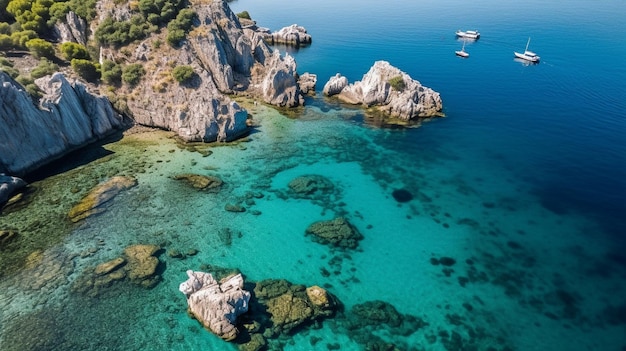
390 90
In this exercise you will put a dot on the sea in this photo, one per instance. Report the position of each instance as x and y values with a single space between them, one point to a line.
510 235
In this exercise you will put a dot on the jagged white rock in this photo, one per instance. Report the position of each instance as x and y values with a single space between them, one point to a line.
216 305
412 100
291 35
68 118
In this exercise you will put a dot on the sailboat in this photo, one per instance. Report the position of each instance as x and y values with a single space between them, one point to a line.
527 55
462 52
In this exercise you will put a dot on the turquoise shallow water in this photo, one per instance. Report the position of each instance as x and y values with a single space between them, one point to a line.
523 184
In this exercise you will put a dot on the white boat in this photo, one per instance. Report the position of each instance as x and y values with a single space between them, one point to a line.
462 52
468 34
527 55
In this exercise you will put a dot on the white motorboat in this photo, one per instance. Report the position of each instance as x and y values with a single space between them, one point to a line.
468 34
527 55
462 52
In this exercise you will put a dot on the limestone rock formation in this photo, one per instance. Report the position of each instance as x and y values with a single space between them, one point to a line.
97 197
338 232
8 187
392 91
294 35
73 29
68 117
226 59
307 82
335 85
216 305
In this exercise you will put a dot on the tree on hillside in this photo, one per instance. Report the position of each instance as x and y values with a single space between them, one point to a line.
40 48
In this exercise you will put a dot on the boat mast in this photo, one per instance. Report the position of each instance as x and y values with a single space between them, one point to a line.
528 43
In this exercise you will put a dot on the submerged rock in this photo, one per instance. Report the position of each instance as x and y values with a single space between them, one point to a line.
291 306
200 182
139 265
310 185
402 195
338 232
216 305
390 90
93 202
6 235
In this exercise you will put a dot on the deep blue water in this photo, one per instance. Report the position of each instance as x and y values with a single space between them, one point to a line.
523 184
560 123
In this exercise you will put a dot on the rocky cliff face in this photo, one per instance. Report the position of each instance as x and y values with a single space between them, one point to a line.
226 60
390 90
68 117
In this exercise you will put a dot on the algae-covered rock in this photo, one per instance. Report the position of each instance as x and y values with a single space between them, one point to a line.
200 182
338 232
290 305
309 185
97 197
109 266
142 264
139 265
7 235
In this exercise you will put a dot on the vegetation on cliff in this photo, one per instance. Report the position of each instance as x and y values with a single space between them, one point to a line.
30 25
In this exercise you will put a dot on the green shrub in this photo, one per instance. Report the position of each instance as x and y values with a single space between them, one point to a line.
178 28
84 8
397 83
86 69
5 42
74 51
44 68
183 73
244 14
10 71
5 28
57 11
111 72
21 37
5 62
133 73
40 48
111 32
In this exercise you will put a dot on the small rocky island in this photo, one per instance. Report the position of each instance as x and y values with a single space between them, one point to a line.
388 89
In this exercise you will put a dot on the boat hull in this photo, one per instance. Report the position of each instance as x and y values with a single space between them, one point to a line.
461 53
533 59
466 35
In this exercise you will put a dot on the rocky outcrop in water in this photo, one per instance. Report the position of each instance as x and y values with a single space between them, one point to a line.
293 35
390 90
291 306
94 202
216 305
67 118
